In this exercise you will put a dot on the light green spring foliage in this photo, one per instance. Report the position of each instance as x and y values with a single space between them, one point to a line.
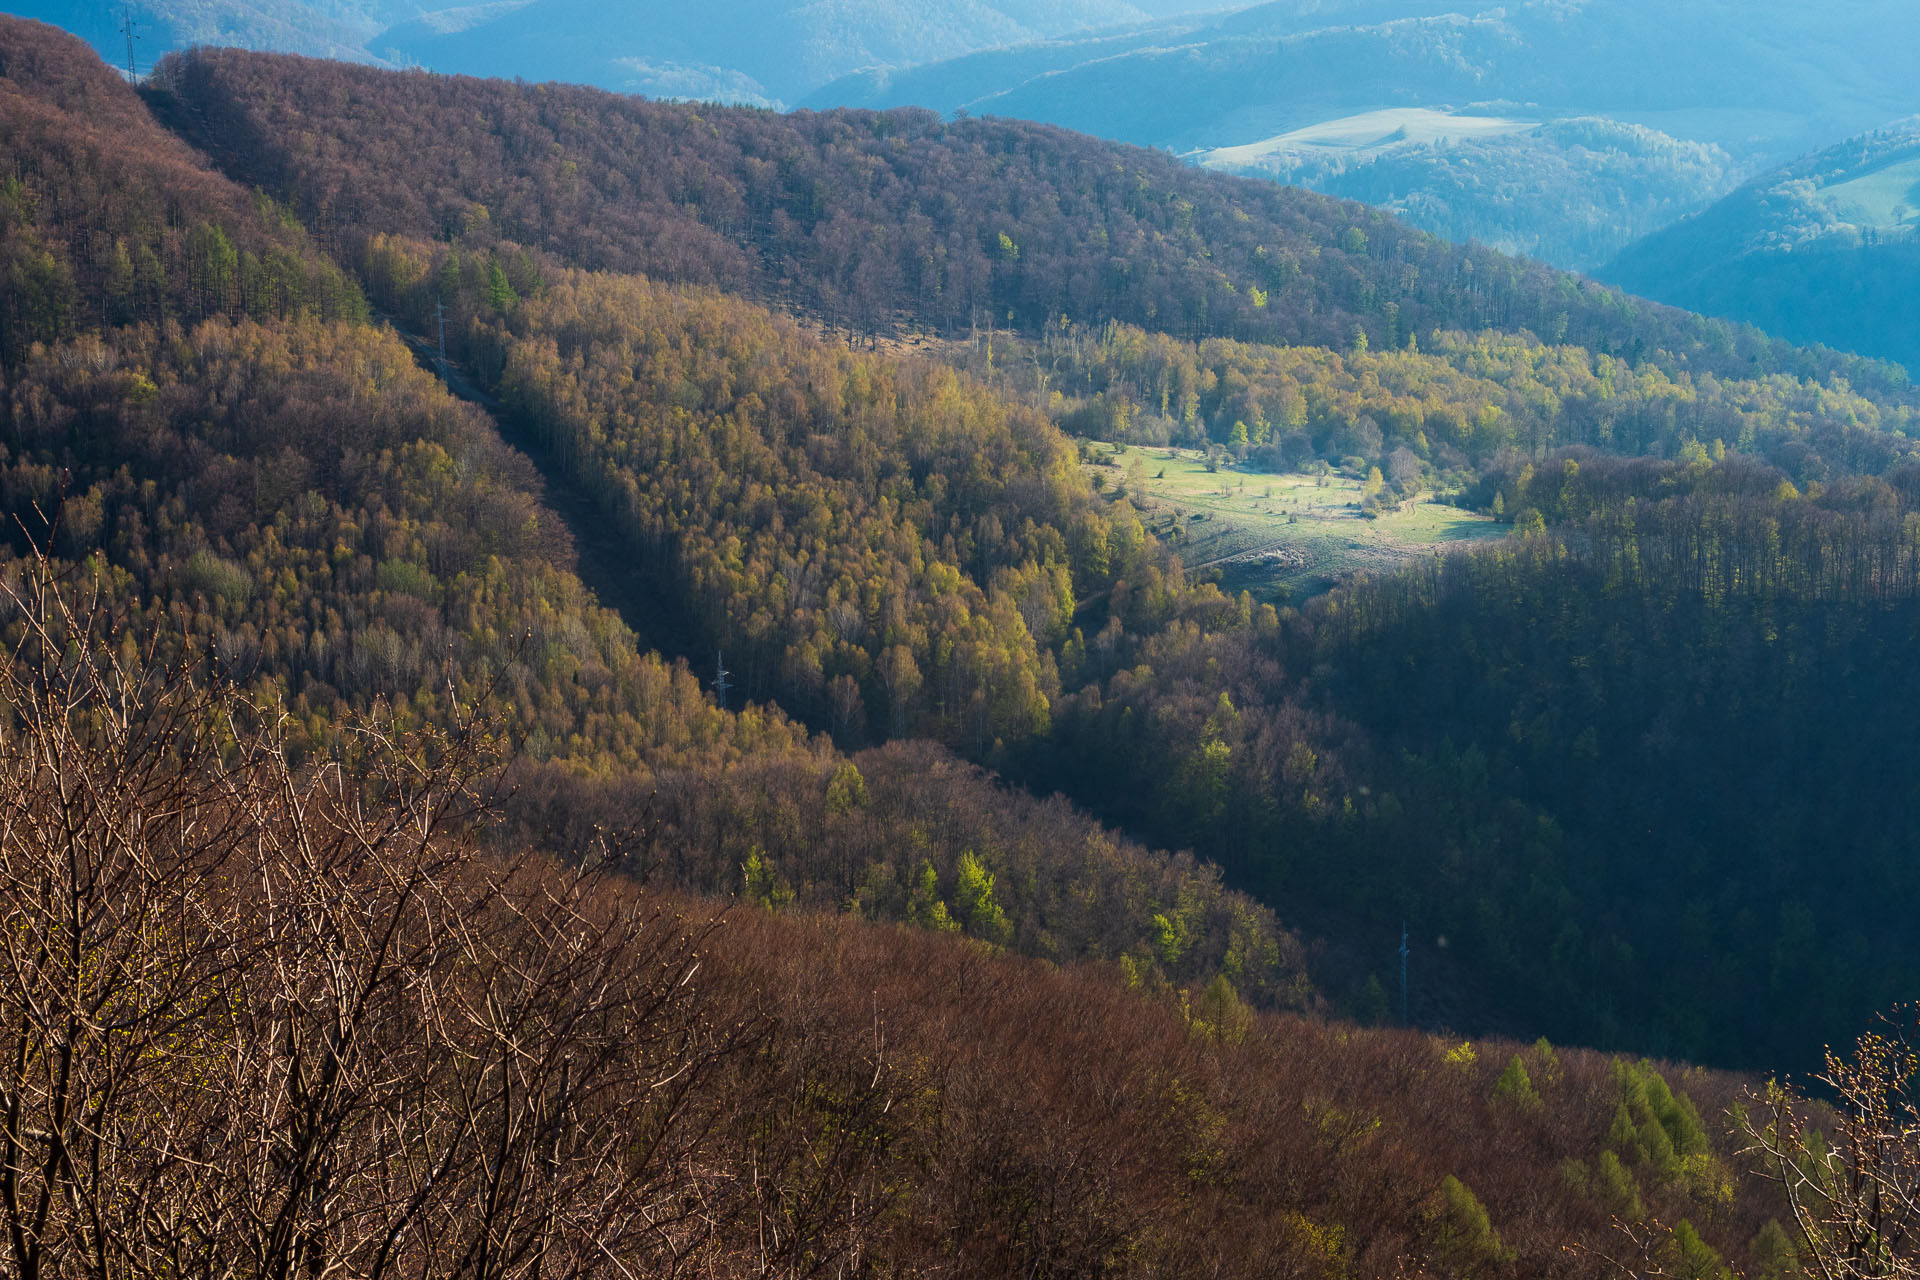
1615 1189
1218 1013
1774 1255
925 909
1515 1088
763 885
1546 1063
1692 1258
973 899
1653 1127
847 791
1464 1238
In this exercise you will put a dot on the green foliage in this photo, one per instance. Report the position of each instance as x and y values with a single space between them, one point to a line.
500 294
762 885
1515 1088
926 909
1218 1013
1667 1123
1460 401
973 901
846 790
1463 1236
1546 1063
1693 1258
1774 1254
218 577
918 561
1615 1189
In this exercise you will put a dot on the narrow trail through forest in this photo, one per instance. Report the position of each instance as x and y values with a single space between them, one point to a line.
601 559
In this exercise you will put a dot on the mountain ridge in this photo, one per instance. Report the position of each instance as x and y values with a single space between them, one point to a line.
1823 249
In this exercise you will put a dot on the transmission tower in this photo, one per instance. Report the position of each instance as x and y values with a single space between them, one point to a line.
721 685
1404 952
128 28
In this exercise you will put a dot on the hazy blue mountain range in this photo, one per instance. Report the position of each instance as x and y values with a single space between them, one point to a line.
320 28
1767 78
1563 129
1826 249
769 50
774 51
1622 115
766 52
1573 192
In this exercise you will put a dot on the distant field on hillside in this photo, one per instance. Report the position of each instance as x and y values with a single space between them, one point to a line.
1282 537
1369 132
1887 197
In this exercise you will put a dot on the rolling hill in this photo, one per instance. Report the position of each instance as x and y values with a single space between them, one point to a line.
1825 250
1573 192
318 28
885 549
385 897
765 52
760 52
1658 111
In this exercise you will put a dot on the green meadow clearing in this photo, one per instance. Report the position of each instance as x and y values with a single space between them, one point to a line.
1283 537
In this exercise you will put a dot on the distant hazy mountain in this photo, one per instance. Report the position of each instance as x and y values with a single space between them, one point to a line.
319 28
766 52
1649 110
1824 250
1572 192
769 51
1757 76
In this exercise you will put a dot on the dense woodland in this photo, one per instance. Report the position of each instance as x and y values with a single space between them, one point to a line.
1609 745
869 219
337 1033
303 503
1821 250
1573 192
1458 402
886 550
107 219
1642 767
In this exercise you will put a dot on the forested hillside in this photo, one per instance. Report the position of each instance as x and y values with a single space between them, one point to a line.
1672 731
287 489
1609 118
1826 249
549 1068
1572 192
762 52
106 218
875 220
887 550
323 764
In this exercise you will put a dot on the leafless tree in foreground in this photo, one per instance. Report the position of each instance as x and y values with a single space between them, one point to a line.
1855 1194
260 1021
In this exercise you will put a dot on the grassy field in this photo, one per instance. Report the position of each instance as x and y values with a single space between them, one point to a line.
1887 197
1367 135
1279 536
